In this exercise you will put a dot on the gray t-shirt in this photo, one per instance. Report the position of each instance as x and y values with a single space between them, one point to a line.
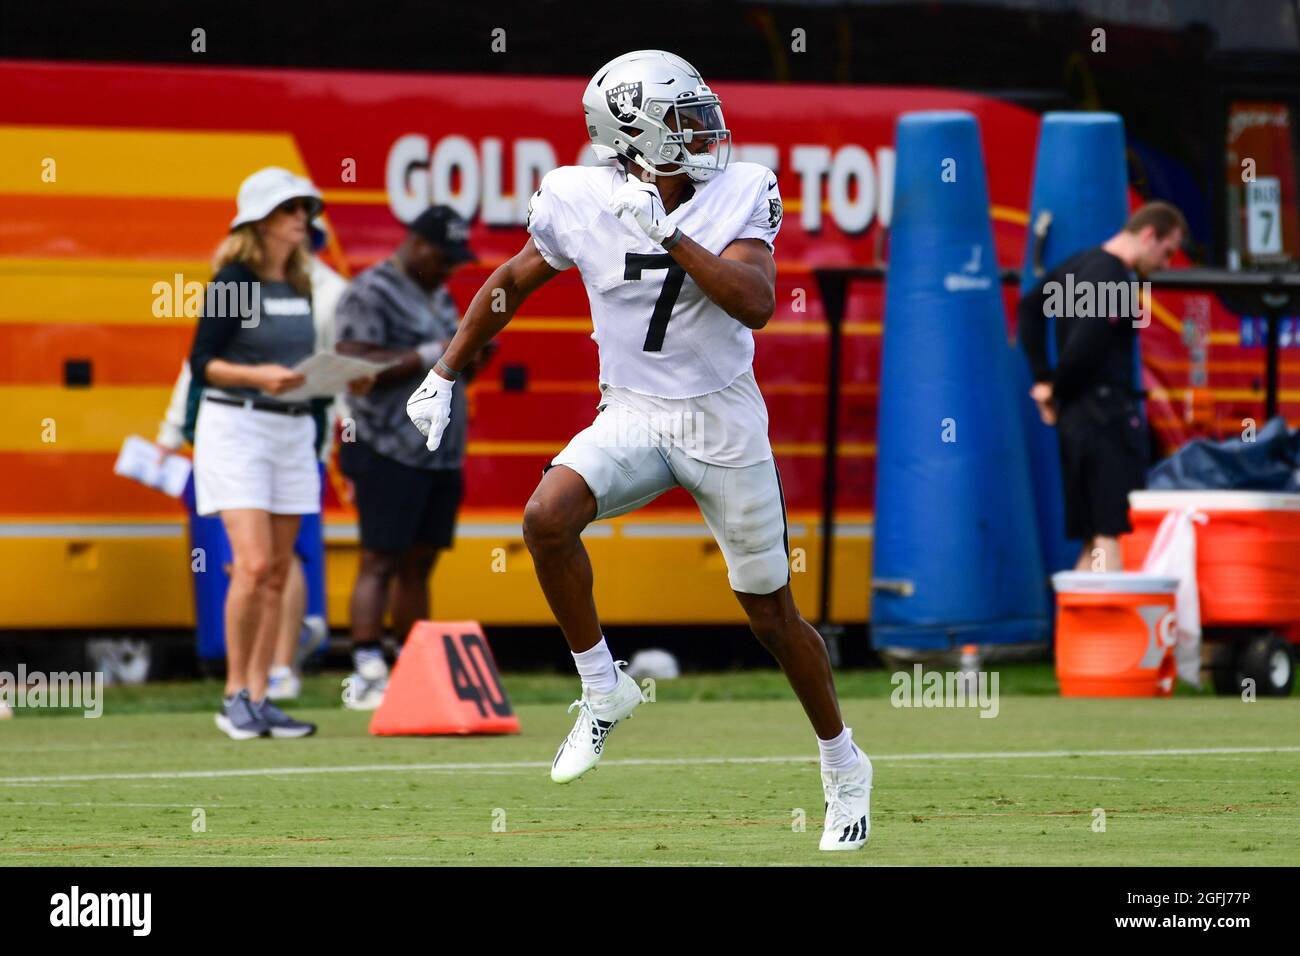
251 322
385 307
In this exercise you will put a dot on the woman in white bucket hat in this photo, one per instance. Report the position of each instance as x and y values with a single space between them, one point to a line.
254 451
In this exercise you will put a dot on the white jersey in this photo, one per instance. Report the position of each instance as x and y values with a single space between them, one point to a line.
658 334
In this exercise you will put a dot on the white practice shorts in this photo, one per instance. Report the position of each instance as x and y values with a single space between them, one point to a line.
743 507
245 458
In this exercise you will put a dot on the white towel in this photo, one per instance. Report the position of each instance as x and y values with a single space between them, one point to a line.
1173 554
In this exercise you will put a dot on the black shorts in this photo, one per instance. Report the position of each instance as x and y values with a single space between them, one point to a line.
1103 457
400 506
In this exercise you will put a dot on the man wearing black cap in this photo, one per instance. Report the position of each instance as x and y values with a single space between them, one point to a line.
406 496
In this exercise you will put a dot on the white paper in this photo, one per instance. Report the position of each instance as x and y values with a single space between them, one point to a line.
328 373
152 465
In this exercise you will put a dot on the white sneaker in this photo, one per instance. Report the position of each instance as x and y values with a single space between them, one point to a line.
283 684
848 806
597 717
364 688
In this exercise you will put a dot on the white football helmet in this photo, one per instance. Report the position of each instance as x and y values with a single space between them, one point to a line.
653 108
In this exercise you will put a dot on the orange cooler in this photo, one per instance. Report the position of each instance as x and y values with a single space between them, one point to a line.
1247 553
1115 634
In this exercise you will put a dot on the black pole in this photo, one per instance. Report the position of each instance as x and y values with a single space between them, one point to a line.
1270 363
833 287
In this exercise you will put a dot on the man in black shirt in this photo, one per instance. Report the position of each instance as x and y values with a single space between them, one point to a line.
1092 394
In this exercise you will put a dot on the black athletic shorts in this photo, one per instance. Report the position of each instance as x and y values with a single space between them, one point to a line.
1103 457
400 506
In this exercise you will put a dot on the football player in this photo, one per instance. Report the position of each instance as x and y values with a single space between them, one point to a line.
674 246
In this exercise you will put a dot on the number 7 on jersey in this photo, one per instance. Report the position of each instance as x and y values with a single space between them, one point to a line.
637 262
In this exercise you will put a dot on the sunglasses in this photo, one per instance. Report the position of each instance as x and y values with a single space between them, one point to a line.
291 206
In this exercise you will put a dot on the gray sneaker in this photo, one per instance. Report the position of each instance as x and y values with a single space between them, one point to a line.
281 724
239 719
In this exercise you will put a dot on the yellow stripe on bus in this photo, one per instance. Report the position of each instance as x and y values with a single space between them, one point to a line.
117 291
59 419
79 268
100 299
1285 395
137 162
1166 317
355 197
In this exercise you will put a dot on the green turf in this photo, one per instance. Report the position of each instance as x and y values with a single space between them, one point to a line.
324 690
690 808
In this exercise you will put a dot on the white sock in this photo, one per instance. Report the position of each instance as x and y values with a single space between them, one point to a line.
839 753
596 668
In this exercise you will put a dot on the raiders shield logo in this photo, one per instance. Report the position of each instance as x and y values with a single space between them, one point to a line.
624 100
773 211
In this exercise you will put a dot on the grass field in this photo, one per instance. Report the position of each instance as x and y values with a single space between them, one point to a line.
714 771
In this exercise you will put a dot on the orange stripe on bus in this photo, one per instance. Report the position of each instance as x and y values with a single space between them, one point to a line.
35 353
40 483
99 227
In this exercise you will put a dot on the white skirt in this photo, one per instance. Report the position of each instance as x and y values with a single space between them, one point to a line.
246 458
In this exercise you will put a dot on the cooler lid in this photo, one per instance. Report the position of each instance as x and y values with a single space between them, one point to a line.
1113 582
1214 500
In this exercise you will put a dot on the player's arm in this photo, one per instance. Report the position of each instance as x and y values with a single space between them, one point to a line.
496 303
742 280
491 309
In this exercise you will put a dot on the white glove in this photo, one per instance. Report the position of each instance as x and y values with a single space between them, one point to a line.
429 408
640 203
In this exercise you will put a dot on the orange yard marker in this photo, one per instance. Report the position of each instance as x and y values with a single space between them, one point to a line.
445 682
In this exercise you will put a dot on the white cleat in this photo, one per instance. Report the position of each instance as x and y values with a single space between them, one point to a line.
364 688
597 716
848 806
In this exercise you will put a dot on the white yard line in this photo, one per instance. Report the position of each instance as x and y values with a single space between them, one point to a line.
632 762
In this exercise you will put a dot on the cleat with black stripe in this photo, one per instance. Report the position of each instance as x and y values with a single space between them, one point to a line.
848 806
597 717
